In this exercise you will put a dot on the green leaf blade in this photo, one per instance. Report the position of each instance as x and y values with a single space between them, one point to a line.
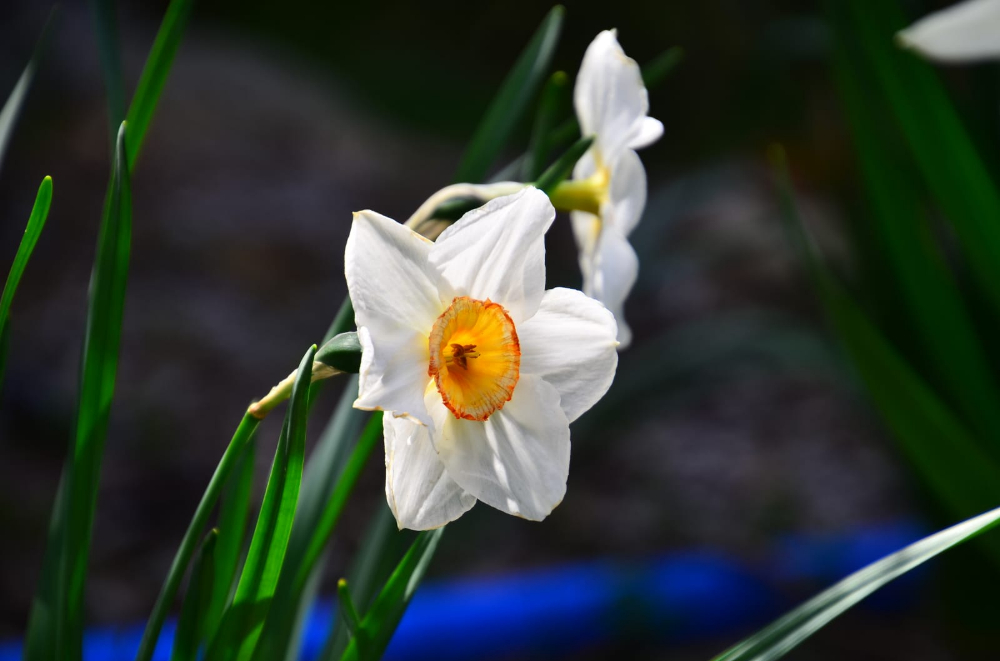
188 636
382 619
778 638
509 105
244 620
155 72
32 232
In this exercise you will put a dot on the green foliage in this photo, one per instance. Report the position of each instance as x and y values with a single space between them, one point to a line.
197 602
243 620
561 169
381 620
155 73
230 459
36 221
342 352
778 638
511 101
56 624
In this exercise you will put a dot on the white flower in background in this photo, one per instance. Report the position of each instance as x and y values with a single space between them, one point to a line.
608 191
965 32
479 369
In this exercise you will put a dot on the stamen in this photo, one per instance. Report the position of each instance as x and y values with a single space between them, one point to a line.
460 353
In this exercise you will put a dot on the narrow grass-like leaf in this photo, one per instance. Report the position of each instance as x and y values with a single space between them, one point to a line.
319 482
381 620
36 221
540 146
109 50
97 383
188 636
241 438
371 569
232 526
511 101
348 610
778 638
913 265
243 621
656 70
155 72
952 168
556 173
939 446
334 506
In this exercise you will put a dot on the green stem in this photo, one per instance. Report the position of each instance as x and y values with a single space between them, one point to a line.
190 542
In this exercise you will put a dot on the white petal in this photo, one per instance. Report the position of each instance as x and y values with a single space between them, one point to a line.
498 252
614 271
516 461
393 373
609 97
419 491
647 132
397 296
627 193
570 343
965 32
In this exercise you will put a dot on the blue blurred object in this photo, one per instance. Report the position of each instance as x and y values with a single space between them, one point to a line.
679 598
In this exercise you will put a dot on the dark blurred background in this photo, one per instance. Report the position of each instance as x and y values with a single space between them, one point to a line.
734 420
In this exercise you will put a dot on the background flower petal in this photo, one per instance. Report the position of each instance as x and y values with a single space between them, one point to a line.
627 194
609 97
615 269
647 132
570 343
516 461
498 252
420 493
965 32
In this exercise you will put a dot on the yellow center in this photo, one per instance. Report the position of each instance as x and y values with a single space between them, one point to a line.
475 357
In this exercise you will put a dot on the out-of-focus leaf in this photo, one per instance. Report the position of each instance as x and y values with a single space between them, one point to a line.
230 458
232 526
155 72
244 619
36 221
778 638
109 49
188 637
939 446
545 118
511 102
656 70
951 350
381 620
558 171
951 166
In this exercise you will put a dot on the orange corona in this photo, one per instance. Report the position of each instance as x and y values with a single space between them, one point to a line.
475 357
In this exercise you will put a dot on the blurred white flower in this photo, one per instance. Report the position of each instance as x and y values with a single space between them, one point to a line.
608 191
479 369
965 32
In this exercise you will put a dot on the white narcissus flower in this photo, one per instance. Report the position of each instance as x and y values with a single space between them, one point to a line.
478 368
966 32
608 191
